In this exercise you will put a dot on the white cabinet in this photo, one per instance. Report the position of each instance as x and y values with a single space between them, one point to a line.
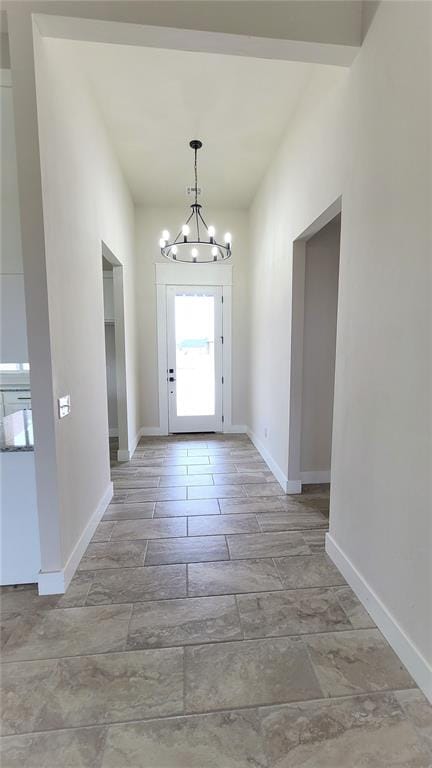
13 330
20 559
13 401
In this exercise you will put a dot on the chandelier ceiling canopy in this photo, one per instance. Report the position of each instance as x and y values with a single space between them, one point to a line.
196 242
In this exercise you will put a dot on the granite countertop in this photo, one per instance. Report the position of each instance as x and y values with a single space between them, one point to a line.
16 432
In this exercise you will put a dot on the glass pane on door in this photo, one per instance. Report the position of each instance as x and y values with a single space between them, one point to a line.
195 355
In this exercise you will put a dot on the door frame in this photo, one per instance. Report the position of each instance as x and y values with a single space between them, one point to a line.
294 478
204 423
125 450
193 275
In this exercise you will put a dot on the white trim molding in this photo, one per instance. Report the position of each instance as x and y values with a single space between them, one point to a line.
127 453
57 582
288 486
167 274
151 432
193 274
233 429
310 477
298 277
132 32
410 656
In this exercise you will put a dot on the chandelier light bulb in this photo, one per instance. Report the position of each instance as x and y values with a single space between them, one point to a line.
214 251
228 237
174 250
211 230
194 252
185 230
162 243
166 235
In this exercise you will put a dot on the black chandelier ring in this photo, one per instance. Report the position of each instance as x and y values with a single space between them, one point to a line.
194 249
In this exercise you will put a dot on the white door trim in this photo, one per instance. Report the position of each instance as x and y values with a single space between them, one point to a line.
193 274
199 275
294 474
125 449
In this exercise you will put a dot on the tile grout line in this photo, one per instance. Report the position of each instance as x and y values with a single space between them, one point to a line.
239 617
254 556
200 713
247 707
238 447
48 610
200 643
126 650
145 554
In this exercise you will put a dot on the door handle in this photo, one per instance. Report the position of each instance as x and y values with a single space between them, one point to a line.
171 378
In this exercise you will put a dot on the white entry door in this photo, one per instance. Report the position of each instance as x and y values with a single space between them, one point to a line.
194 346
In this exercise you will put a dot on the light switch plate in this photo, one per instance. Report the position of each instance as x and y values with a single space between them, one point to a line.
63 406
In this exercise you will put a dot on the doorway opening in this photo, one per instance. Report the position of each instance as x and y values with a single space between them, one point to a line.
115 363
313 353
110 357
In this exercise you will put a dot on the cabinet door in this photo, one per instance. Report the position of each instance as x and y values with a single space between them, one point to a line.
16 401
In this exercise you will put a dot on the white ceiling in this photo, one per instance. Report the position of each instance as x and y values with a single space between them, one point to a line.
154 101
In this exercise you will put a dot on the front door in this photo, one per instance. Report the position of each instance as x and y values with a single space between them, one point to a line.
194 341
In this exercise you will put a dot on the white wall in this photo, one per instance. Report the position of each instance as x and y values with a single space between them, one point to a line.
149 224
13 338
319 349
85 202
365 135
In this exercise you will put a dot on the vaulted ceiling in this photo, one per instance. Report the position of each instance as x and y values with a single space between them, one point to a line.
154 101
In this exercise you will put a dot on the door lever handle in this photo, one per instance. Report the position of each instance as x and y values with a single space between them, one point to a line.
171 378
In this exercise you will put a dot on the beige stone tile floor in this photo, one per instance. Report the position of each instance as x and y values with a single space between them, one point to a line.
205 628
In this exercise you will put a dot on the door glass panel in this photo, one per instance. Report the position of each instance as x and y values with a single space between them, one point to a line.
195 355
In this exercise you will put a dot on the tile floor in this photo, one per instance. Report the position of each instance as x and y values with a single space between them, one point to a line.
205 628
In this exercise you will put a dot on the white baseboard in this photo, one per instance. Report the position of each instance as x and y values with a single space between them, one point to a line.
311 476
151 432
57 582
416 664
269 460
235 429
124 455
293 486
113 432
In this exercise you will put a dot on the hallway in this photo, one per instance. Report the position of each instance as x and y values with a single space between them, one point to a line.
205 628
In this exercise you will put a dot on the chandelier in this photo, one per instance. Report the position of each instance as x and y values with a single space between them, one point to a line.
196 242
